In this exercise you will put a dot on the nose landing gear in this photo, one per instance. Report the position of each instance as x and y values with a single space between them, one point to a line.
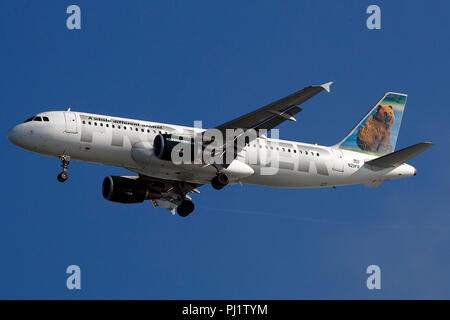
63 176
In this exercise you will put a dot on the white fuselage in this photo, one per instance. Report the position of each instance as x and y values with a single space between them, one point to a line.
129 143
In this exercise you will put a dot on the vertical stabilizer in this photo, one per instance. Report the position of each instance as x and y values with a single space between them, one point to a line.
377 132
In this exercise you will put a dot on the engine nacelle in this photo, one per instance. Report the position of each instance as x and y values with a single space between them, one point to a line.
164 145
126 190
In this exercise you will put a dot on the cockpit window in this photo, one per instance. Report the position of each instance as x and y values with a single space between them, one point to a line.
34 118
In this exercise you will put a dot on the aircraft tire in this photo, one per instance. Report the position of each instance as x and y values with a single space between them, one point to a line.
185 208
63 176
219 181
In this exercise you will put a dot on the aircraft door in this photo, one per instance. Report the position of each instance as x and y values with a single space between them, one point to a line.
338 163
71 122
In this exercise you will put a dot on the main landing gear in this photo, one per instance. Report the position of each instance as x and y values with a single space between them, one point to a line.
219 181
185 208
63 176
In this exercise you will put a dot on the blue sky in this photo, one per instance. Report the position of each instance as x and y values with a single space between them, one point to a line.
182 61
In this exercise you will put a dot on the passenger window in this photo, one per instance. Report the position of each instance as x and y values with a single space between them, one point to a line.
107 125
101 124
84 122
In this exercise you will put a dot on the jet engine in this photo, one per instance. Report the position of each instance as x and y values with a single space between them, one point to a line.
164 145
126 190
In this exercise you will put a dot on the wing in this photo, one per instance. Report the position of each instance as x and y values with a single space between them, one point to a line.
168 193
270 116
273 114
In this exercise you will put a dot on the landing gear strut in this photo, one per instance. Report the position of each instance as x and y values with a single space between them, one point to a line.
219 181
185 208
63 176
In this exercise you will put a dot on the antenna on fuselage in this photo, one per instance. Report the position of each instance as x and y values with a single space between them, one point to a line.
68 109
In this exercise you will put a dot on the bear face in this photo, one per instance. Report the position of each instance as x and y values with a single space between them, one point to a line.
385 114
374 135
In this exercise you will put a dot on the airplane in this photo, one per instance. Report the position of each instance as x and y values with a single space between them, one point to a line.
365 156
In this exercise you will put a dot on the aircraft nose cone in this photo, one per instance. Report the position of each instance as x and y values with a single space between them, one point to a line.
13 135
17 135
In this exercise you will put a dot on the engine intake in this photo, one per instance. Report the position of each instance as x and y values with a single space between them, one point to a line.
126 190
164 144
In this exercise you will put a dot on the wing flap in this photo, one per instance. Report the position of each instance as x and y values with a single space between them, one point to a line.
278 118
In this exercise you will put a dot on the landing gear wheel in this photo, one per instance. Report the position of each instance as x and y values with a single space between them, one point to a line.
63 176
185 208
219 181
65 160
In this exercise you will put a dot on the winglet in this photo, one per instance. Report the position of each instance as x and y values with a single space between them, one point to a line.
327 85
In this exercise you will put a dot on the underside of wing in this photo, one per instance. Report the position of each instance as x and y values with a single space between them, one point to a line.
168 194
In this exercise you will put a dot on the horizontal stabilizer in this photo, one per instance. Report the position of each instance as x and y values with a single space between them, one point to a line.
397 158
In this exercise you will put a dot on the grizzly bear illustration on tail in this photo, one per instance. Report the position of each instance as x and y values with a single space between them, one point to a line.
375 134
